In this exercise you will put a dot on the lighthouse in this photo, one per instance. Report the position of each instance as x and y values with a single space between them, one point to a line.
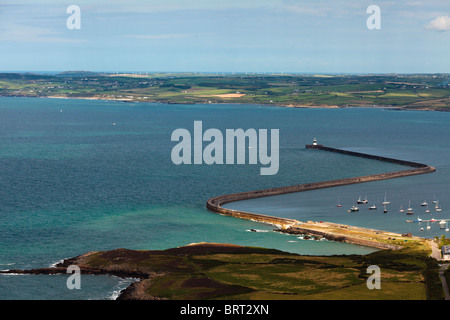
314 145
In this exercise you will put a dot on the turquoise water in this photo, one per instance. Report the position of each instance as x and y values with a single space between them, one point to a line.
81 175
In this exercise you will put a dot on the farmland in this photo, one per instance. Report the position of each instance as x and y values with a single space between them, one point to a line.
422 91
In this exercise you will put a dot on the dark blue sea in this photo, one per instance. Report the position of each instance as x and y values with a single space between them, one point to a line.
83 175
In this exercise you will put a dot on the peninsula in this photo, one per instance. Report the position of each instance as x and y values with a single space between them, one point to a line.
214 271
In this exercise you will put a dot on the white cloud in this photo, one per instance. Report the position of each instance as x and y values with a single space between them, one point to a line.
166 36
415 3
159 36
439 24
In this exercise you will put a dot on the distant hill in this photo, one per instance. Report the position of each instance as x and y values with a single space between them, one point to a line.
79 74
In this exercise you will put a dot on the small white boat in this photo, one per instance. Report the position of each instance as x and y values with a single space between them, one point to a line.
438 208
384 209
424 204
359 201
354 208
409 210
442 224
401 209
385 200
374 207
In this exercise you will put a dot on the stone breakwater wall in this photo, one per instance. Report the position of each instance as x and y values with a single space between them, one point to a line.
215 204
332 236
369 156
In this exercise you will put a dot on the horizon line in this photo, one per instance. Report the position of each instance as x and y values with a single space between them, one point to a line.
221 72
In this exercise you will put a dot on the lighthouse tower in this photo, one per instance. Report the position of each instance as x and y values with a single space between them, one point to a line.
314 145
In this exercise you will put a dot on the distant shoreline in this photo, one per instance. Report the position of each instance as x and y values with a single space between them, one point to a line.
290 105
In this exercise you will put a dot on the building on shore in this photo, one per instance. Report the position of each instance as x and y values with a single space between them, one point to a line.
445 251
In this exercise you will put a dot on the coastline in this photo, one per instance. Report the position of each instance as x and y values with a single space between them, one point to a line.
153 270
284 105
332 231
312 228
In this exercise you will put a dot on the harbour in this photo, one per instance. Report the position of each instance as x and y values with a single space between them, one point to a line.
77 152
331 231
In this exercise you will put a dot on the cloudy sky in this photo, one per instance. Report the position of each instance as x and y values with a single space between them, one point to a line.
319 36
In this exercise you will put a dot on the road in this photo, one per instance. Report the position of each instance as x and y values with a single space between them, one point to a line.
436 254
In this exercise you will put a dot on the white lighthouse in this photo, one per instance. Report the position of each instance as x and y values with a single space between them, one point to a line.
315 142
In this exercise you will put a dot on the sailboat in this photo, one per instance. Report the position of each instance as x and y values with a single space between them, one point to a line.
359 201
424 204
401 209
437 208
384 209
339 204
410 210
373 207
354 208
385 201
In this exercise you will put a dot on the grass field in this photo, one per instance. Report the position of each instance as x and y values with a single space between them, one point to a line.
207 271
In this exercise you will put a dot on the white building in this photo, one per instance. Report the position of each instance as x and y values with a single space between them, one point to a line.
445 250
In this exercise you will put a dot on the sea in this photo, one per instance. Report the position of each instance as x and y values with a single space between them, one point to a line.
88 175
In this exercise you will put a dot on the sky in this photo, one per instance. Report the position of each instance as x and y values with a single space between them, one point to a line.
291 36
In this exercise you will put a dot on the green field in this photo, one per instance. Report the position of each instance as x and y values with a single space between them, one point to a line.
229 272
422 91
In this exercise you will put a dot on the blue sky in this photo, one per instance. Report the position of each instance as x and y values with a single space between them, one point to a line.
226 36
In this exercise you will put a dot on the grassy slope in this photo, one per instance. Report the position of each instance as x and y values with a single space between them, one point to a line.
224 272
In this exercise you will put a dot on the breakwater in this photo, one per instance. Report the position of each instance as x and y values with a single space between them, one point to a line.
215 204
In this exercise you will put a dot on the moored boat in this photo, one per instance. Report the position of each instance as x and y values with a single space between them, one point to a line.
385 200
410 210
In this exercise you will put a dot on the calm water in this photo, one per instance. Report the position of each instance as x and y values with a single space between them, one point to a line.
79 175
